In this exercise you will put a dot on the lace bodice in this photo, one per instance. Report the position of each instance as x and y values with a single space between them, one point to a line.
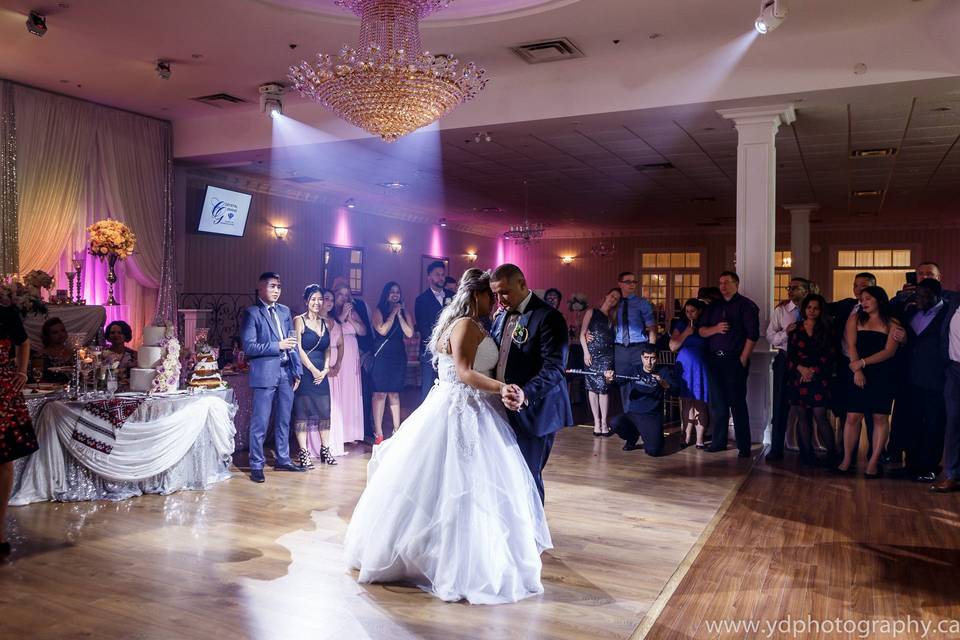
485 361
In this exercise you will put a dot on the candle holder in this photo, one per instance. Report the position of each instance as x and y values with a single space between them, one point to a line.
78 267
70 276
111 278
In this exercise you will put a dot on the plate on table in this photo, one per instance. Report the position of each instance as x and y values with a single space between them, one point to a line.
40 391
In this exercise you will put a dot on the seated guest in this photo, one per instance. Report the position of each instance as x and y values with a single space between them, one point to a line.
692 384
643 417
810 358
596 338
54 353
553 297
17 438
118 333
920 410
450 285
871 345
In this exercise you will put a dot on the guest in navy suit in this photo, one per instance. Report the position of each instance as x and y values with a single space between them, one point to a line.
950 352
270 346
426 310
532 337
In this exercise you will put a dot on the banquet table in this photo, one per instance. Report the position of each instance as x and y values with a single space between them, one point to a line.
85 319
168 444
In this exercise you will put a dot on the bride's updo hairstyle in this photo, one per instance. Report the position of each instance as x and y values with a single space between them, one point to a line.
463 305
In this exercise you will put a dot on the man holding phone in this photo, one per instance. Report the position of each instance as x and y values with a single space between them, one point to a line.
928 270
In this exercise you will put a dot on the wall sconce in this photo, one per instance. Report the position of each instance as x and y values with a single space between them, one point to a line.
470 256
395 247
281 232
566 259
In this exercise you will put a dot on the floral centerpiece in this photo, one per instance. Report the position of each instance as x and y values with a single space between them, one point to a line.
113 240
24 293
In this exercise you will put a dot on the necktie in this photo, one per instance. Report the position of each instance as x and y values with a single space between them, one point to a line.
625 322
506 341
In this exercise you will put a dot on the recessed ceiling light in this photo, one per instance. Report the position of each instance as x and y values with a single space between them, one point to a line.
868 193
393 185
942 109
873 153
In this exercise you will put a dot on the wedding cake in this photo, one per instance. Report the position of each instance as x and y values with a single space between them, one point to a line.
206 373
160 353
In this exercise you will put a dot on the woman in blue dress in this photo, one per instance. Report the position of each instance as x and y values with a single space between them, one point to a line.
692 363
391 324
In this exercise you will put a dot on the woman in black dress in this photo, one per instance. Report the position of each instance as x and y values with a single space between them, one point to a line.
311 401
16 431
811 352
870 343
390 323
596 338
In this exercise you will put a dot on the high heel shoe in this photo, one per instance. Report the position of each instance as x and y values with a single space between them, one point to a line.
326 457
303 459
378 440
842 472
597 434
874 476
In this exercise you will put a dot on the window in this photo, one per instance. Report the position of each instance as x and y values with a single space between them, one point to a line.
668 279
782 261
343 263
890 266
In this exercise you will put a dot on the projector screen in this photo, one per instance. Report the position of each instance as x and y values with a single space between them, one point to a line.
224 212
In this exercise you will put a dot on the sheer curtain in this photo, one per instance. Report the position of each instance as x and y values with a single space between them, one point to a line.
79 163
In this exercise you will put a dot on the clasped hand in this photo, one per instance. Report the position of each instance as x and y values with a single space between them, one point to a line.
512 396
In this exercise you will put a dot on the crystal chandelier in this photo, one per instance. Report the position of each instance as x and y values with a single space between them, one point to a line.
525 232
603 250
389 86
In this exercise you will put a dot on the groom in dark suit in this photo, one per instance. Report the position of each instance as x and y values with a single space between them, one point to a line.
532 337
275 372
427 309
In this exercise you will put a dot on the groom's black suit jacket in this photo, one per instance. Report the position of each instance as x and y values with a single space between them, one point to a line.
537 366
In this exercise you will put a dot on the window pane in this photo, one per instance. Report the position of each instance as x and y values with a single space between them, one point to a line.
882 258
649 260
356 257
901 258
864 259
693 260
676 260
846 259
663 259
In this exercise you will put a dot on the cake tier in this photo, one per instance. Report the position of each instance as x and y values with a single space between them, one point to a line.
206 383
153 336
141 379
149 357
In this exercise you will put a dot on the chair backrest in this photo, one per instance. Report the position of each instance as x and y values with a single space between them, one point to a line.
667 357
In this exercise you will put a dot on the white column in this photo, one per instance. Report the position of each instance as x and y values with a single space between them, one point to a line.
756 225
800 238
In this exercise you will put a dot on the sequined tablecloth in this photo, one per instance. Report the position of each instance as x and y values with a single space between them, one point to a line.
243 399
201 466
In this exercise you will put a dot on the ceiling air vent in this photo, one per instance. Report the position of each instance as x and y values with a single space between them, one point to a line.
219 100
547 50
873 153
653 166
868 193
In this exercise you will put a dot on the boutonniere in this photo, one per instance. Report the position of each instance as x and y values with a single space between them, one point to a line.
520 332
446 301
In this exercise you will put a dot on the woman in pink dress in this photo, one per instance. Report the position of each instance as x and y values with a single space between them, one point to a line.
346 399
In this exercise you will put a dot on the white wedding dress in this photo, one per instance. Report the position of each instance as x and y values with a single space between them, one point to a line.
450 505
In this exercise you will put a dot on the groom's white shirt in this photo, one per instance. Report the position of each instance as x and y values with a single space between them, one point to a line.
506 338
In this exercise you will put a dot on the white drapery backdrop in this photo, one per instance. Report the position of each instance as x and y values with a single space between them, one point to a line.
78 163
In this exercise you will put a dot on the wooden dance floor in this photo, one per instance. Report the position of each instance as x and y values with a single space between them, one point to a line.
264 561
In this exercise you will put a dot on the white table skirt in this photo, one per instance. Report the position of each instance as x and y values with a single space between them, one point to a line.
168 445
86 319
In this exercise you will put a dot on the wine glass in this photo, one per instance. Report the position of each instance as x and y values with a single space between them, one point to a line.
37 371
111 382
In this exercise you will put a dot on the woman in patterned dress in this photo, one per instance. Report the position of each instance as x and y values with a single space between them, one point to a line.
596 338
16 431
811 353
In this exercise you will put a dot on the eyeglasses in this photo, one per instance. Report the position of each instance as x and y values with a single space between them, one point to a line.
628 282
794 288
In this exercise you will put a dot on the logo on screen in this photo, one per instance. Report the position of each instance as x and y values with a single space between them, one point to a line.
223 212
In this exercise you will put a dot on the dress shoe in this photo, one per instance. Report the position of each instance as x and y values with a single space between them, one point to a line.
630 446
774 456
743 454
945 486
712 449
929 476
288 466
257 476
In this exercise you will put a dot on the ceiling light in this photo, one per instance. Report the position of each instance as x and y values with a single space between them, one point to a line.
941 109
442 222
350 203
395 248
163 69
388 85
36 24
873 153
280 232
868 193
393 185
566 259
470 256
271 99
772 13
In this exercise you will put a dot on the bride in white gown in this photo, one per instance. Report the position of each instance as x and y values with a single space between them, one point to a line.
450 505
